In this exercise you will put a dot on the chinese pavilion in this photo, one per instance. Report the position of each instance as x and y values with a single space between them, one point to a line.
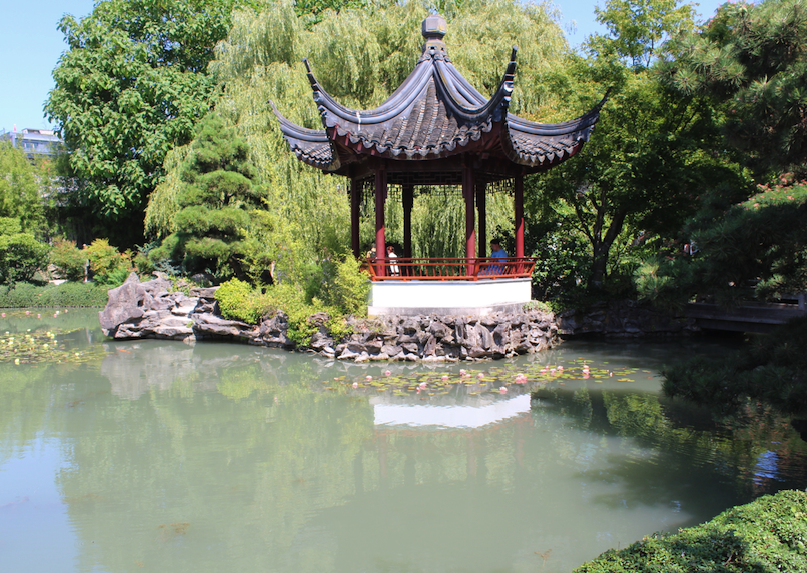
436 130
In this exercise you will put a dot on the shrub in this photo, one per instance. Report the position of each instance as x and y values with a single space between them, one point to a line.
110 267
349 288
68 258
768 534
21 255
238 300
301 326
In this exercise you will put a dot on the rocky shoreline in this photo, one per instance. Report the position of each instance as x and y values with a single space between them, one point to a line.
151 310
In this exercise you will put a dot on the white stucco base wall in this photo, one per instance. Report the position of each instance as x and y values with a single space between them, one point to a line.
466 295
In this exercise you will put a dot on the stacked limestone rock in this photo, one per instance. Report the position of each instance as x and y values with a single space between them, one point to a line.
447 338
151 310
624 319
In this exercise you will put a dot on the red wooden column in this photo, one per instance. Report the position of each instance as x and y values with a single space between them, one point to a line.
380 199
355 200
519 207
408 200
482 215
470 237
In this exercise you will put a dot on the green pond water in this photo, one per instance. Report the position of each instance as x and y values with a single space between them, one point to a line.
158 456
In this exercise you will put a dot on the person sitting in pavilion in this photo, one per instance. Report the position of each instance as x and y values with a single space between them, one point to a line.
497 253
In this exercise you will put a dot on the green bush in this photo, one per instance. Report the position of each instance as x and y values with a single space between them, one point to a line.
70 294
68 258
108 265
291 301
769 534
238 300
349 288
21 256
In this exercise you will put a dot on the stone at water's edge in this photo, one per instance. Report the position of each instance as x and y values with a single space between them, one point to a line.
623 318
150 310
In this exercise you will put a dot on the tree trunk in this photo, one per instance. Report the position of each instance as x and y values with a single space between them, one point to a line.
601 246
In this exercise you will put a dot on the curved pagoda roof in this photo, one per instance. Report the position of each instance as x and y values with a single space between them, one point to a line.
436 114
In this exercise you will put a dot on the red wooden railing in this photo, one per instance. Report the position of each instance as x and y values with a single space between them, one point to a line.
449 269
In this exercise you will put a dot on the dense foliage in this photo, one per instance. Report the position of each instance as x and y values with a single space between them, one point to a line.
765 535
130 87
752 59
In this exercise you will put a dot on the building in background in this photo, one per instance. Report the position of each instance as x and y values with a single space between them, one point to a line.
33 142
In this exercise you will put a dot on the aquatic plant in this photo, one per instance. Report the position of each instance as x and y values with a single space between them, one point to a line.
44 346
487 380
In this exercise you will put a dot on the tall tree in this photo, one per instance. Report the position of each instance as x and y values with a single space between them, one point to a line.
652 153
639 27
752 58
20 184
131 86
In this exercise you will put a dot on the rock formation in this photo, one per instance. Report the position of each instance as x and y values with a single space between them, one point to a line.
151 310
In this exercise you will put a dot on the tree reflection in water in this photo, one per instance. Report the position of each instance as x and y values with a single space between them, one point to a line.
220 457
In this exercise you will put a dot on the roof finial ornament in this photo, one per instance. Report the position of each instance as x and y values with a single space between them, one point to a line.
433 30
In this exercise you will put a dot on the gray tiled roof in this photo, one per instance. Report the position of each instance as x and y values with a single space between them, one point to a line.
435 113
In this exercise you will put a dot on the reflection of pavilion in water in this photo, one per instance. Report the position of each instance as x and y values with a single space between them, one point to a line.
452 430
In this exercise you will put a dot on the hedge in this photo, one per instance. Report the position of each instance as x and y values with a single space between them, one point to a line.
69 294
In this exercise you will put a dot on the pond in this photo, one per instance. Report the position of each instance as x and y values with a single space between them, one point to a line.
159 456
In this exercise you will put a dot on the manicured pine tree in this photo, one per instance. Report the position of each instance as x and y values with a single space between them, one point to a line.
216 197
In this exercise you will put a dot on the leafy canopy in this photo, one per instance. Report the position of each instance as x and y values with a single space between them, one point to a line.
19 188
131 86
752 58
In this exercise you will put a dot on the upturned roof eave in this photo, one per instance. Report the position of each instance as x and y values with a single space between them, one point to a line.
312 146
582 123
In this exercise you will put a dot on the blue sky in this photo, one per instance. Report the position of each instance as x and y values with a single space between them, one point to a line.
31 46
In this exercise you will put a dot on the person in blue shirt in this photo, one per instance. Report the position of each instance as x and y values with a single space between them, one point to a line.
497 252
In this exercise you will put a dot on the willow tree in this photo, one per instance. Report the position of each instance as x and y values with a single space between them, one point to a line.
360 57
